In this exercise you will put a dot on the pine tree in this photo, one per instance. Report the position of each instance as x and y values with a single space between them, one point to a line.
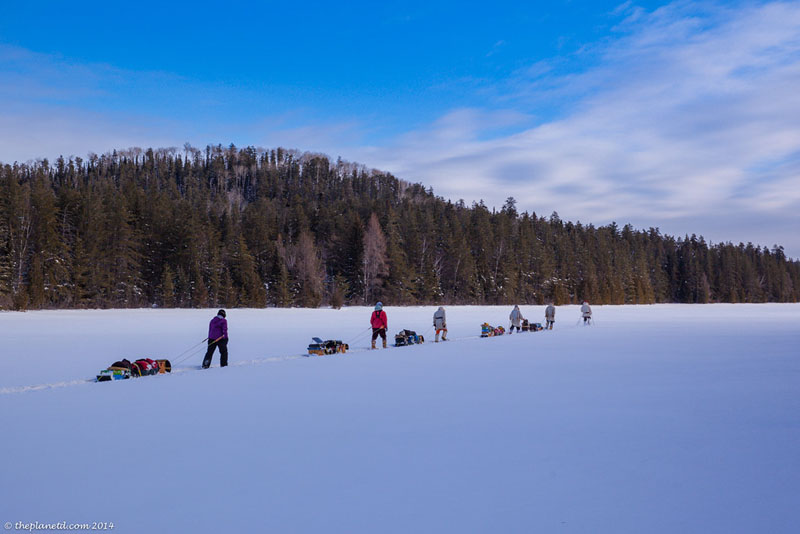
17 207
249 227
6 264
252 293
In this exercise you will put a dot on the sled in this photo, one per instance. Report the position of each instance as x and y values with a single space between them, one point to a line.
113 373
331 346
148 367
536 327
487 330
407 337
125 369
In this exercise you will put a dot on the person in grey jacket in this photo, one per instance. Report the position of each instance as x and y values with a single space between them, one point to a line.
440 324
550 315
516 320
586 313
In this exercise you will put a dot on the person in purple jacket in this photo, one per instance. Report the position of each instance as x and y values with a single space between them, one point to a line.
217 337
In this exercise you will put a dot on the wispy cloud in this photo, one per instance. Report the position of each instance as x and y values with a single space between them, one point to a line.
495 48
57 106
691 113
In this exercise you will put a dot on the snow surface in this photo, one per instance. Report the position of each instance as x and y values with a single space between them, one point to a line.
666 418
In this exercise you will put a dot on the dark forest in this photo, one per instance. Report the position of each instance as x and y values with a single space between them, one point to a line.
249 227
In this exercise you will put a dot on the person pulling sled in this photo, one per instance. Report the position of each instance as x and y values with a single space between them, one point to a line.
516 320
586 313
550 315
217 337
379 324
440 324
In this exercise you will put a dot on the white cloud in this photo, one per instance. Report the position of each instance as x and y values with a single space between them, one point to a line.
692 113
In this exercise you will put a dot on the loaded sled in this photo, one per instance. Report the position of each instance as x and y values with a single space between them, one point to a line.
488 330
124 369
331 346
531 327
407 337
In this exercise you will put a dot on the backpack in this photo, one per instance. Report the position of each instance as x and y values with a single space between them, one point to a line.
144 367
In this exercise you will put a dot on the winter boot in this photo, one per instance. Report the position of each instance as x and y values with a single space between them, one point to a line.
384 343
436 340
444 336
373 343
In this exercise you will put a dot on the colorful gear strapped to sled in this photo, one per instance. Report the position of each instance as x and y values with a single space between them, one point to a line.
331 346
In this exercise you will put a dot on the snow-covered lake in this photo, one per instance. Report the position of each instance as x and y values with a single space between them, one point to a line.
665 418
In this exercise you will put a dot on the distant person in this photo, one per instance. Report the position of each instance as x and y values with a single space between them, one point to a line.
217 337
440 324
586 313
516 320
379 324
550 315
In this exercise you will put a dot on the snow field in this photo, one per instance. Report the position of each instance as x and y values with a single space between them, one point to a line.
667 418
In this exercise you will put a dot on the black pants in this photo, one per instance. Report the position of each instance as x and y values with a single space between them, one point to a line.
223 353
378 332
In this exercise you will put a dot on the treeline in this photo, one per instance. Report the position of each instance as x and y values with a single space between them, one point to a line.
246 227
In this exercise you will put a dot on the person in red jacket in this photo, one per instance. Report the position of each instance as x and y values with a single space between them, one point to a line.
379 324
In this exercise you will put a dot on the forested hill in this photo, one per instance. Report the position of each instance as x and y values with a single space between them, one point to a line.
247 227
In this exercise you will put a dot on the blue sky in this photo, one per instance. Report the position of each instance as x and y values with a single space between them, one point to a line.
681 115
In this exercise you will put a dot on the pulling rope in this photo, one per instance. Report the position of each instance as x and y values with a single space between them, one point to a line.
177 358
191 354
359 336
195 351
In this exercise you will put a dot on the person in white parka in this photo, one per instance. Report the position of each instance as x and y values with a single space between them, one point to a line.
440 324
586 313
550 315
516 320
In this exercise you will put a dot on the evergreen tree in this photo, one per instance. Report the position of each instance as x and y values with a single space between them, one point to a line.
246 227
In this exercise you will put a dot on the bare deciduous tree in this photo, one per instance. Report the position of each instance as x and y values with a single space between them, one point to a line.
375 264
310 272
